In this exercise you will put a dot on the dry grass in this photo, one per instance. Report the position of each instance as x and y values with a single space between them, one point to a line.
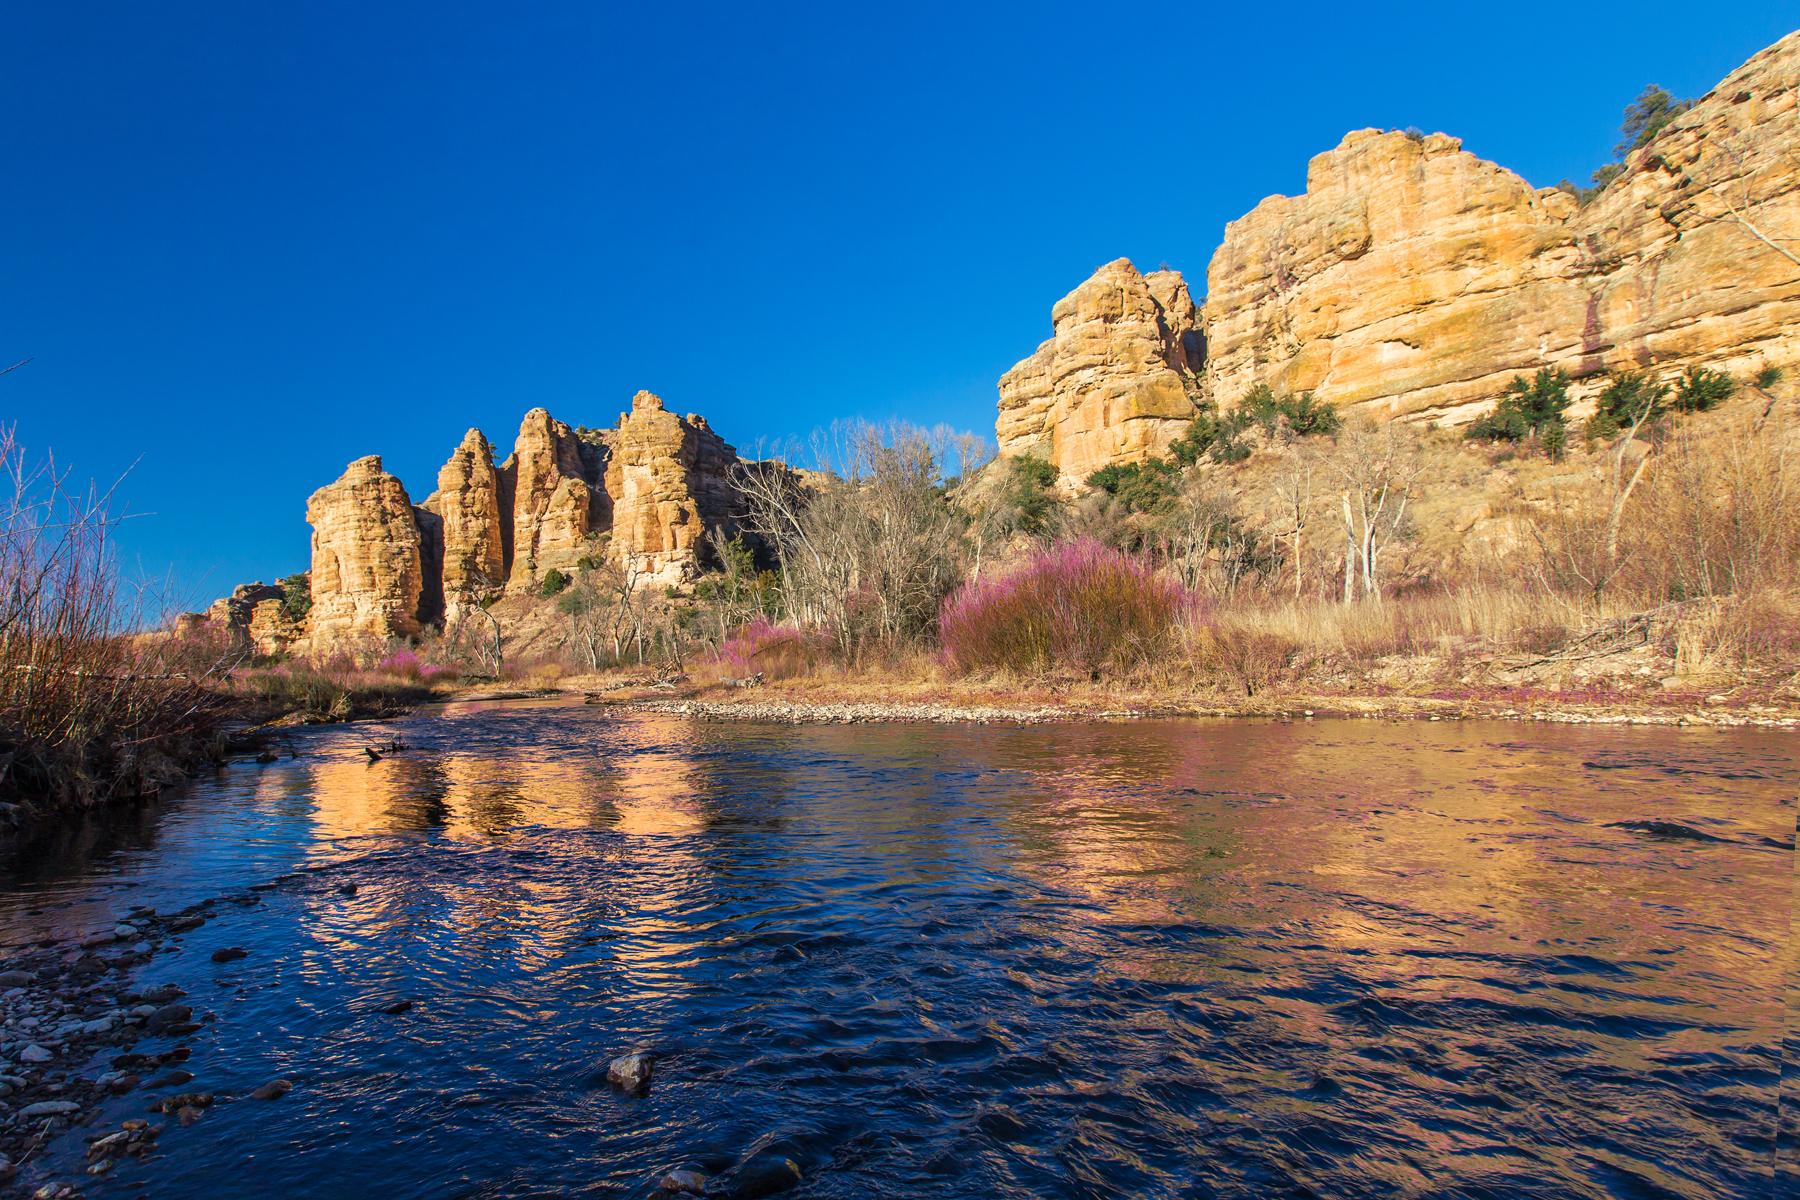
87 711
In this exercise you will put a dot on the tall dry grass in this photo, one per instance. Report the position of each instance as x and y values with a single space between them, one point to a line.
87 709
1716 515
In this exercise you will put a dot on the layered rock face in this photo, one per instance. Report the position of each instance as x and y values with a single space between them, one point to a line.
669 480
1115 383
549 503
467 501
270 629
253 615
1413 280
1697 236
367 573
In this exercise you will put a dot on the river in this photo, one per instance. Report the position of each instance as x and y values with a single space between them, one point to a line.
1182 958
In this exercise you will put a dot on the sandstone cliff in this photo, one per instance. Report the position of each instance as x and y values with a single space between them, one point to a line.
642 495
467 501
1414 280
669 480
548 505
1117 380
367 572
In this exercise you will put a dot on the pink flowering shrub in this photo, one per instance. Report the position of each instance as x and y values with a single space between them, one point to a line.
1077 606
771 650
407 664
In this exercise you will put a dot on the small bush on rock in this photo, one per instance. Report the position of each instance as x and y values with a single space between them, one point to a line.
1701 388
1527 409
1629 396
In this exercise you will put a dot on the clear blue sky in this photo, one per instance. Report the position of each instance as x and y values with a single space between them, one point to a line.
245 243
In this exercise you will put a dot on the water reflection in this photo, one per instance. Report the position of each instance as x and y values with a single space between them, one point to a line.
1159 959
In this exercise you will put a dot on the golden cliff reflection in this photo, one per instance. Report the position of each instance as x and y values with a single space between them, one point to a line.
1392 839
655 793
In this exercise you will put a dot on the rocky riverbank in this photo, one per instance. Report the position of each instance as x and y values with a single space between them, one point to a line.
846 706
79 1026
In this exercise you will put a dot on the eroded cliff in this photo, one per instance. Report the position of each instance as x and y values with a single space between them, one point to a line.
1414 280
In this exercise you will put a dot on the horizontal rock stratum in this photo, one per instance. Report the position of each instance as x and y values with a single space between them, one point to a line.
1413 280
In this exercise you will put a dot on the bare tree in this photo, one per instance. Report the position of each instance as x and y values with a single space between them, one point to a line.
868 543
1294 492
1376 468
471 627
1206 542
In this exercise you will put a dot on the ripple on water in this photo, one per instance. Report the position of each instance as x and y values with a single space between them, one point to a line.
1167 959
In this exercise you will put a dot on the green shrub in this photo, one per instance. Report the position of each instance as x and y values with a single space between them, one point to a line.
296 596
1526 409
1144 487
553 582
1768 377
1629 396
1259 406
1307 417
1555 438
1701 388
1646 117
1028 493
1262 405
1197 440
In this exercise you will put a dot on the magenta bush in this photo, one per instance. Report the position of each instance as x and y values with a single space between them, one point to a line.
408 664
402 662
1077 606
775 651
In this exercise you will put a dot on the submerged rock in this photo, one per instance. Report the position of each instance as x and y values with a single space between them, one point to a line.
49 1108
630 1071
275 1089
683 1182
1671 830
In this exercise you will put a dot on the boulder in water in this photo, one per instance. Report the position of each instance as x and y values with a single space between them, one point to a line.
630 1072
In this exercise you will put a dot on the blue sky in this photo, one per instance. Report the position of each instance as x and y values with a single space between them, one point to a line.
246 243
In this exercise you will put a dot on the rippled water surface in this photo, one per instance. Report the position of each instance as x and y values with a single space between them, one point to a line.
1157 959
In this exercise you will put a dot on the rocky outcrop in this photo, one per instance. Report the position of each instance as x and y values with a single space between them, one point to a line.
467 502
254 617
1413 279
642 495
367 572
549 505
669 480
233 611
1697 237
271 630
1116 382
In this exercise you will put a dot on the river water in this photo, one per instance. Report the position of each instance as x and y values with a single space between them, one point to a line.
1320 958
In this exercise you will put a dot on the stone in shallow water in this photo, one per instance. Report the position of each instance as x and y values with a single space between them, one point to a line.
229 954
691 1183
169 1017
629 1071
35 1053
49 1108
275 1089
